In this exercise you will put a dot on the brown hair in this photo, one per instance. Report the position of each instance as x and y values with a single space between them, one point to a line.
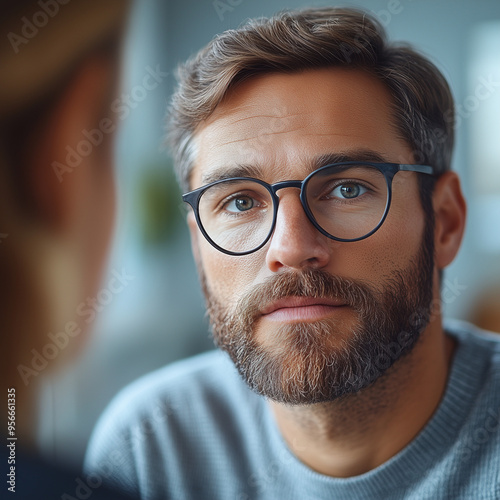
293 41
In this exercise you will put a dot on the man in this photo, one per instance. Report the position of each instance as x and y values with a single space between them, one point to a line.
316 161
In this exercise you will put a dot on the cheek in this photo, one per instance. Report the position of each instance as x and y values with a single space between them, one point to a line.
228 277
391 248
398 240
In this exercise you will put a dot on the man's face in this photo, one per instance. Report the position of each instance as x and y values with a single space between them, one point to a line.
306 318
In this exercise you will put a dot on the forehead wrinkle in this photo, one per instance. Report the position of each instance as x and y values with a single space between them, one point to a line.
272 117
333 134
233 116
257 137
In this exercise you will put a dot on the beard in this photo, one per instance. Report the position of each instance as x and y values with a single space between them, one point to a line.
324 360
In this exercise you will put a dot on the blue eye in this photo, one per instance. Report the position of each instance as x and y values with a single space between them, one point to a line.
240 204
348 190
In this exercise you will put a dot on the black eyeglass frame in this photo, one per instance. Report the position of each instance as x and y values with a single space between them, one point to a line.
389 170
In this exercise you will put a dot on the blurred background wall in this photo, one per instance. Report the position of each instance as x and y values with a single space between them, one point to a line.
159 317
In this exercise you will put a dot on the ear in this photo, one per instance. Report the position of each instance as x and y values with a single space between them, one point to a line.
68 146
450 212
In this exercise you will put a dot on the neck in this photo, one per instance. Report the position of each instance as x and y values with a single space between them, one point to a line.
359 432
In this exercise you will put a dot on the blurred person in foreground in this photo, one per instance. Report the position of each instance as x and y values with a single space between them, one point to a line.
316 157
59 66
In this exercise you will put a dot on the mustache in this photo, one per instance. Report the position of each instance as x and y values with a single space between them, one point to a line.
314 283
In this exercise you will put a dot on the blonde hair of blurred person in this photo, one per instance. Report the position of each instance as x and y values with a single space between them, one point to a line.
59 65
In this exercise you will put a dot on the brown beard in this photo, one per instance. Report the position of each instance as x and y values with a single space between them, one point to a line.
317 362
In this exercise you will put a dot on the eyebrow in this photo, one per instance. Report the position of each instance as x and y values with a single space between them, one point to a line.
343 156
257 171
238 170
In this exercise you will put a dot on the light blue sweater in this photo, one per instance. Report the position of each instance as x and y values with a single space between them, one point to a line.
194 431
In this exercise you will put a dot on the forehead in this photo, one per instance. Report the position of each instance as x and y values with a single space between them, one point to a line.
277 125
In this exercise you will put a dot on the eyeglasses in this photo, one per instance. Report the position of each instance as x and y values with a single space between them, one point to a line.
345 201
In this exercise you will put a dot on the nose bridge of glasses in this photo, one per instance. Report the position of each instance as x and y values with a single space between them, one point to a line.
285 184
289 184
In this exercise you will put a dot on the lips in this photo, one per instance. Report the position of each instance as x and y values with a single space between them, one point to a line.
301 308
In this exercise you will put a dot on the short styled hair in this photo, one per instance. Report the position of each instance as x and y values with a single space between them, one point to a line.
293 41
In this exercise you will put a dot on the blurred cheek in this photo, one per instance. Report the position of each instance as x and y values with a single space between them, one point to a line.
101 228
91 240
99 211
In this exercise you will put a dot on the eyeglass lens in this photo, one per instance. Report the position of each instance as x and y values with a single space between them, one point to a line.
347 202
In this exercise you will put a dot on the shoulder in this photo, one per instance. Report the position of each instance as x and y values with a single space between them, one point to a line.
205 369
35 477
184 390
470 337
476 367
176 416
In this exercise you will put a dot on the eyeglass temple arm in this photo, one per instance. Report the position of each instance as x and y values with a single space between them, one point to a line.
423 169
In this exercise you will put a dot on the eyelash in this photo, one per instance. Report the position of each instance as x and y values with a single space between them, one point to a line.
222 204
341 182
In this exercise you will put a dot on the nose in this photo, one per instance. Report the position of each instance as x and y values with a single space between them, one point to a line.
295 242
